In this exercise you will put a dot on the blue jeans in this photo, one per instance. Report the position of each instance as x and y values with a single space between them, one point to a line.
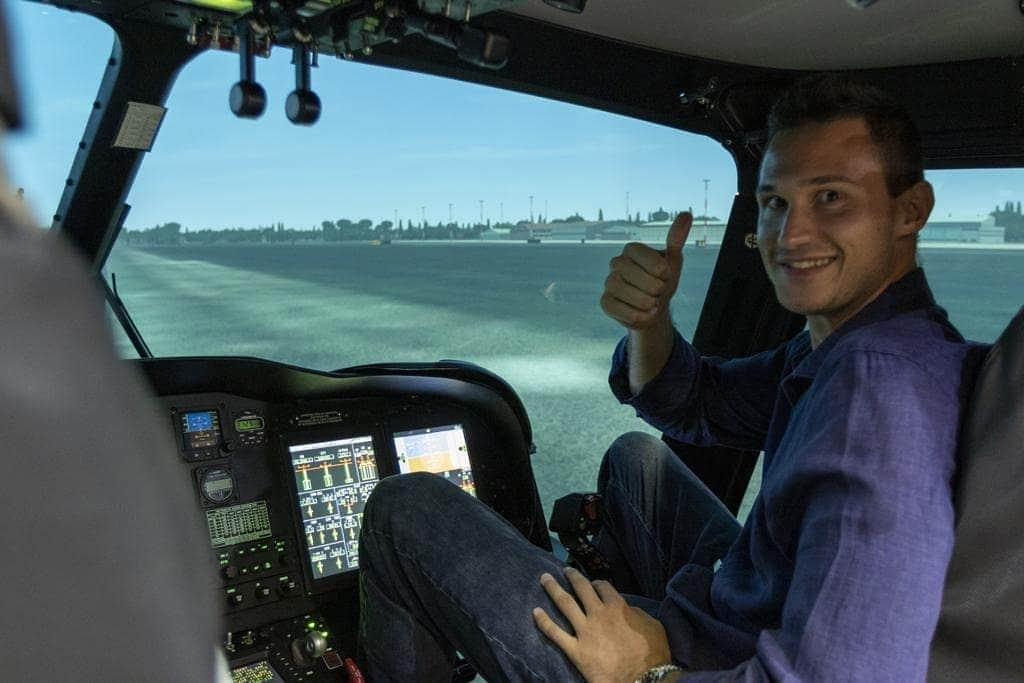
441 572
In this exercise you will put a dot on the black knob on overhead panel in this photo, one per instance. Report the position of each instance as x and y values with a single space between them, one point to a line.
229 572
302 107
248 99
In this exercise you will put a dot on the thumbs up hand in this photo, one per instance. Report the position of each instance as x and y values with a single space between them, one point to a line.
642 280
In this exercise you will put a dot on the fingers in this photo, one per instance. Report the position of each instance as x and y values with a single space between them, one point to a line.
627 315
583 589
607 592
563 600
631 273
650 260
623 290
565 642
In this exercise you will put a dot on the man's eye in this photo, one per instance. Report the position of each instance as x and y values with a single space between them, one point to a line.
829 196
775 203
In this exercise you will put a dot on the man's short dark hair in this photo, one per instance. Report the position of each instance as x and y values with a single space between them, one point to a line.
827 97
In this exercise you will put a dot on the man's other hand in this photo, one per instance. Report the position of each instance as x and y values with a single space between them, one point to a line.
613 641
642 280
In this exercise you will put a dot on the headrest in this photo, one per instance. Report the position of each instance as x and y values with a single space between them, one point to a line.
980 635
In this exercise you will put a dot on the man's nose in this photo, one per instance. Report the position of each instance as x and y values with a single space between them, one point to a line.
796 229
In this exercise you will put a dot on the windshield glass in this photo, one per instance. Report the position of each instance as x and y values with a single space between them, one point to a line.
57 87
421 219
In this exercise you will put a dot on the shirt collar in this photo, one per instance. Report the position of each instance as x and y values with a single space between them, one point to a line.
910 292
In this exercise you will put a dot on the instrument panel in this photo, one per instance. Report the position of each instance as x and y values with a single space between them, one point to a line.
282 461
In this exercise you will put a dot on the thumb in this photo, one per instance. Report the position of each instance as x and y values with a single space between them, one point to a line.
676 238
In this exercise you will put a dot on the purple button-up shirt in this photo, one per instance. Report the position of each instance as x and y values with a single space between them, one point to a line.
838 572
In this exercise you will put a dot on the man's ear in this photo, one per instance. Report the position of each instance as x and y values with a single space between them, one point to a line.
915 205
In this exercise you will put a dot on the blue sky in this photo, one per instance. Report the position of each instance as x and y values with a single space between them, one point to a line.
387 141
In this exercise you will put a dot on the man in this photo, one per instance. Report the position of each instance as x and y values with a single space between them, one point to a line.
106 576
838 572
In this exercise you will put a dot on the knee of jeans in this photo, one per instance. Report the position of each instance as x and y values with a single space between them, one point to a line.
634 451
399 501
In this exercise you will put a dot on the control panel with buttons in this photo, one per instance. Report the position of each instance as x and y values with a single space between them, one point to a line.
298 649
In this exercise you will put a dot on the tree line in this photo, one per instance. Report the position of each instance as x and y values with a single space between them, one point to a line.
1011 218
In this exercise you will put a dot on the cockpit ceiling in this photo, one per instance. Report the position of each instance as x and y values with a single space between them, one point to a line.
805 34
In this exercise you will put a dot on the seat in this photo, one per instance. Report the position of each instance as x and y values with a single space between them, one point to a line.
980 635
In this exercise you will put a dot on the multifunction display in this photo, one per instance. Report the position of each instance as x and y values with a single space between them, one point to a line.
238 523
441 450
200 434
333 480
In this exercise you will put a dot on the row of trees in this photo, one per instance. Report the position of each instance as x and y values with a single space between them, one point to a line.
329 231
1011 218
345 229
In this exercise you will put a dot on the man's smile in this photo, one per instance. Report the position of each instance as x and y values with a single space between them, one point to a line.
803 266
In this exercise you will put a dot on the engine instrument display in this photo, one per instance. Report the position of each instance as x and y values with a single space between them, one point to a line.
238 523
441 450
333 480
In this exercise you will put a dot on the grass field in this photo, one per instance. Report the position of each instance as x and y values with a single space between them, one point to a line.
527 312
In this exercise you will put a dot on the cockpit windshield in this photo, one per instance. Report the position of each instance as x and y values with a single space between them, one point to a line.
424 218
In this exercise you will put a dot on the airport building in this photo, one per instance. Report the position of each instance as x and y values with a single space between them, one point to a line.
964 230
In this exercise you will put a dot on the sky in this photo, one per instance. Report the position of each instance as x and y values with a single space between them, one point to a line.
388 144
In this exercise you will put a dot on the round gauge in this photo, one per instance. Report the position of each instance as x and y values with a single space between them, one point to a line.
217 484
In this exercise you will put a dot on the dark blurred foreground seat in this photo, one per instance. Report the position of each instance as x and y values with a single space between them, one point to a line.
980 636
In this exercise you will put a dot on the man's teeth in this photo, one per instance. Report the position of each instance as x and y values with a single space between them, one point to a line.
803 265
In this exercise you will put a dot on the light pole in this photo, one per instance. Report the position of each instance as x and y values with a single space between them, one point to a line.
531 208
501 211
704 242
449 213
423 216
628 217
481 211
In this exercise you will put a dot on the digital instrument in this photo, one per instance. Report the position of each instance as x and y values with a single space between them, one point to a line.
333 480
238 524
441 450
200 434
217 485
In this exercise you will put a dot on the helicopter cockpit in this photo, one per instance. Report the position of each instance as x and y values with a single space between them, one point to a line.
297 365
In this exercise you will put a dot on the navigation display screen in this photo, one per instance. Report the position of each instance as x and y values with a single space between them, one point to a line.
201 429
441 450
333 480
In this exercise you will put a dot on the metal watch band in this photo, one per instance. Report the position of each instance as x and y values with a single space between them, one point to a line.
657 673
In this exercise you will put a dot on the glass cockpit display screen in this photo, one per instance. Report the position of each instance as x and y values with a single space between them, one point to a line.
333 480
441 450
200 429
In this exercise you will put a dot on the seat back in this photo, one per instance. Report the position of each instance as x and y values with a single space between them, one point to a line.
980 636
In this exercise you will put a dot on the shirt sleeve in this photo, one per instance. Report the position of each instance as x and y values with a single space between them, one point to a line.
873 484
705 400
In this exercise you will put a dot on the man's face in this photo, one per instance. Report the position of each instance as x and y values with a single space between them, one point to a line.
830 235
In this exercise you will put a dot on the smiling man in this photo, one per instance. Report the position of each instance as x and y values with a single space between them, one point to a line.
838 572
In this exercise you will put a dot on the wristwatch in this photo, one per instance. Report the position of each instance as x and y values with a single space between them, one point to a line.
658 673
